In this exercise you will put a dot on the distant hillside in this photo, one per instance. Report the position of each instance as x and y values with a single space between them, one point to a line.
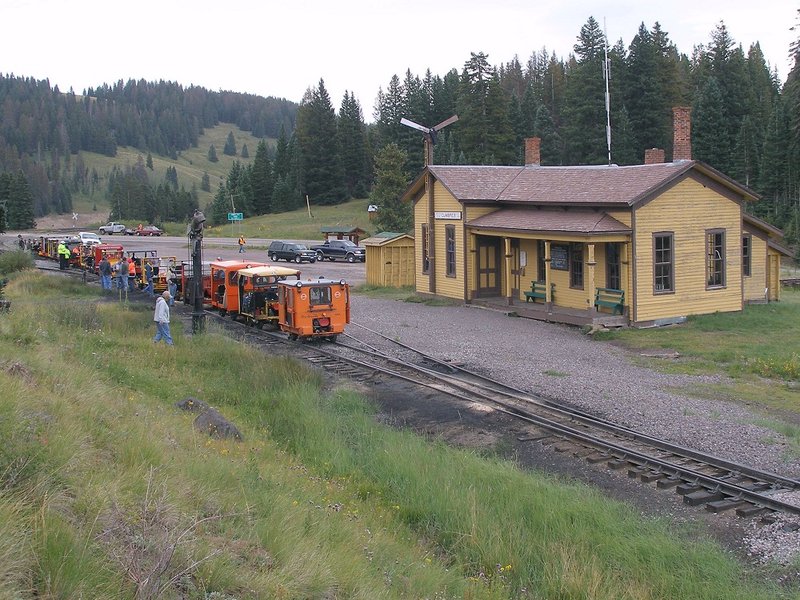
43 130
190 166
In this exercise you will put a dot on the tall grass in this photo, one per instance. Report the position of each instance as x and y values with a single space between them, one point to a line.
761 340
116 496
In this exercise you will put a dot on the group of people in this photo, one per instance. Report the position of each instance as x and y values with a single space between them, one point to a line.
124 272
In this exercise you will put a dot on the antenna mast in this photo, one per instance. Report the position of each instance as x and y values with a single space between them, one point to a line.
606 75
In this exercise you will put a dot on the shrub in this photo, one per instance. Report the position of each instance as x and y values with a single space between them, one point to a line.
11 262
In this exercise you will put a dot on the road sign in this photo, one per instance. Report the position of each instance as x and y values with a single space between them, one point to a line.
235 216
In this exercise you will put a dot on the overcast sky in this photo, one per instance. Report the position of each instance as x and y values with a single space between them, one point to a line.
282 48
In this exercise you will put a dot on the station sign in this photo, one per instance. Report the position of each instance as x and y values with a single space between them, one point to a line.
451 215
235 216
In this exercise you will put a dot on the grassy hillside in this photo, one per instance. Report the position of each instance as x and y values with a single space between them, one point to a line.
190 165
298 224
107 491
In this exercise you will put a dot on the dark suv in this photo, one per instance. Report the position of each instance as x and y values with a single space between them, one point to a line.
291 252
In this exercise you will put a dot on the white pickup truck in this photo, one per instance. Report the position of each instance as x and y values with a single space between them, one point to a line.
112 228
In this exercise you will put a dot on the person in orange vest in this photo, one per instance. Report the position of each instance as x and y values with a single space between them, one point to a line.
131 274
241 244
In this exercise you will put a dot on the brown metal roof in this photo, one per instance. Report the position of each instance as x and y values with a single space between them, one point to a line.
601 185
566 221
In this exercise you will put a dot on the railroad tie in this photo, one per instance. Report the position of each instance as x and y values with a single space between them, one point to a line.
701 497
719 506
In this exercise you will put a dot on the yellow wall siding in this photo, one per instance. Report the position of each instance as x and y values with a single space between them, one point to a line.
451 287
687 210
774 274
623 216
755 284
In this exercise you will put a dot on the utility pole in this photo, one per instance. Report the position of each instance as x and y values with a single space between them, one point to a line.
195 233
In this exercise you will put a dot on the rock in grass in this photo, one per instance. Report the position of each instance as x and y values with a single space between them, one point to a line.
192 405
215 425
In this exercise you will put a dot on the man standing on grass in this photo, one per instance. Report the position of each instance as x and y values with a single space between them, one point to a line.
161 317
104 269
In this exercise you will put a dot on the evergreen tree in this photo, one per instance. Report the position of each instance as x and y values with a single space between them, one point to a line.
19 207
212 154
261 180
391 181
245 153
323 176
281 164
220 207
584 112
205 182
230 145
710 141
282 195
545 129
5 194
149 161
353 142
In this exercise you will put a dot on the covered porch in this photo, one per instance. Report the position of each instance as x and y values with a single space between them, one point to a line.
552 314
568 267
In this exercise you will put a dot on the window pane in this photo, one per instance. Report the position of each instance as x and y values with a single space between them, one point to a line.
450 249
715 259
662 263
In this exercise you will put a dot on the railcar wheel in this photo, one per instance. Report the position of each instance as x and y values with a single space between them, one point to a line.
260 324
331 338
293 336
223 312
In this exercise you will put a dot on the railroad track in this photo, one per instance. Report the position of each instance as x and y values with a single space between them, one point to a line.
701 479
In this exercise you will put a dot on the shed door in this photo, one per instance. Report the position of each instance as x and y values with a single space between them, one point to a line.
488 267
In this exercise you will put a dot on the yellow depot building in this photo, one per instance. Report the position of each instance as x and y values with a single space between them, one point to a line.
636 245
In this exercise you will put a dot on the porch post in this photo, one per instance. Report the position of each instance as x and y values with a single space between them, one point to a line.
507 270
547 278
473 261
590 263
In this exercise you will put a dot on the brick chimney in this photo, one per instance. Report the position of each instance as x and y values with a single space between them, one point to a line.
682 133
533 151
653 156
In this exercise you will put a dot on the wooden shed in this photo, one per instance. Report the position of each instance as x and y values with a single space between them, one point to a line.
390 259
341 232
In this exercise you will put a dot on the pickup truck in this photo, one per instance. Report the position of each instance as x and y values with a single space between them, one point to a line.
112 228
340 249
287 251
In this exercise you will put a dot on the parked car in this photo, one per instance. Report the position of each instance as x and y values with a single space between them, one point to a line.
111 228
87 237
149 230
340 249
290 252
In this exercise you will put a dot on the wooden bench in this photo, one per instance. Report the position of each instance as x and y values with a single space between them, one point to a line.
538 291
610 298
